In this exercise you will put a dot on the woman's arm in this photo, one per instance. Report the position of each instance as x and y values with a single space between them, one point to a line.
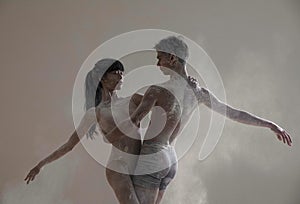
87 121
61 151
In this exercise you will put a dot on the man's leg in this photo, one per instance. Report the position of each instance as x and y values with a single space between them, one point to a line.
145 195
165 182
160 196
147 186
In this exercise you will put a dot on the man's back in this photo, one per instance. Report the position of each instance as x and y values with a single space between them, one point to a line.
172 103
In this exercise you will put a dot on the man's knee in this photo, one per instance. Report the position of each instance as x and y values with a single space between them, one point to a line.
146 196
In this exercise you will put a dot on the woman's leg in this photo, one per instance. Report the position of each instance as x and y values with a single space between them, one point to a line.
122 185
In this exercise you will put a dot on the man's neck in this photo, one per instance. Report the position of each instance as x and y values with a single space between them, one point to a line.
181 73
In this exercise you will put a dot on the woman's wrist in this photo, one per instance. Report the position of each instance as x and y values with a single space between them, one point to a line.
41 164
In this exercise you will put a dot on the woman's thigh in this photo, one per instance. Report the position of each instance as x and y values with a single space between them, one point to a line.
122 186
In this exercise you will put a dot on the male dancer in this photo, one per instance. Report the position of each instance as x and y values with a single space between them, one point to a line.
171 104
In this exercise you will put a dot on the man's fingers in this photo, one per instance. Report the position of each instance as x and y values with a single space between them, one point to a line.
283 138
289 137
286 138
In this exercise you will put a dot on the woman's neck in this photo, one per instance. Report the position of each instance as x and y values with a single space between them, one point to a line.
107 95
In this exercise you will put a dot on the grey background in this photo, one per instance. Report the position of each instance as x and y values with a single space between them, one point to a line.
254 44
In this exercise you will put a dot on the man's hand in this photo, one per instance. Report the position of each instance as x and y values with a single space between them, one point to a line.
31 175
282 135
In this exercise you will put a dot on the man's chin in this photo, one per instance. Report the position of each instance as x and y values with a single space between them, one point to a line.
165 73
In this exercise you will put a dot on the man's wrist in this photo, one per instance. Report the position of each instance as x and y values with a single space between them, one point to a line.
271 125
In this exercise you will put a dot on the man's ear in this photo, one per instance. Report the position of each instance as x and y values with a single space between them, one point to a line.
173 59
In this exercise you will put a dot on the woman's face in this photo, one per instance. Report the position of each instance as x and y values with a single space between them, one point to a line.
113 80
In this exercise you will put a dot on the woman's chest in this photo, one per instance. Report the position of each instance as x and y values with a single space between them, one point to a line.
111 115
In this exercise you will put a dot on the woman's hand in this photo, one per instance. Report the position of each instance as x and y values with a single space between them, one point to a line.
192 82
31 175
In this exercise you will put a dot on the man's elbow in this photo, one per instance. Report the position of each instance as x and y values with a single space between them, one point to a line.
235 114
135 119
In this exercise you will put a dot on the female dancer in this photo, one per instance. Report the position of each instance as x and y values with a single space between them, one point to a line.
100 86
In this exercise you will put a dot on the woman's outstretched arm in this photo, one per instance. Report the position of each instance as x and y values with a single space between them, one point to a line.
87 121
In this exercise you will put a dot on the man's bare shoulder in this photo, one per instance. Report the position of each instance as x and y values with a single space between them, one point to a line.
203 90
136 99
201 93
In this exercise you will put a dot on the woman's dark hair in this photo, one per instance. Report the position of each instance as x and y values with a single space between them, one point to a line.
93 84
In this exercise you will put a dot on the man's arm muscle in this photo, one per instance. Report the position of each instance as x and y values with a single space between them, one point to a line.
210 100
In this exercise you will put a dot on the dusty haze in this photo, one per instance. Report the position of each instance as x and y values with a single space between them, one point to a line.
254 44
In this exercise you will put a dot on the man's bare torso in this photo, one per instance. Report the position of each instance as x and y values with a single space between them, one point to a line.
170 112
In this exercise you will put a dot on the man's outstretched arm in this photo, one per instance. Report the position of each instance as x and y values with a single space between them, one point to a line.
207 98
